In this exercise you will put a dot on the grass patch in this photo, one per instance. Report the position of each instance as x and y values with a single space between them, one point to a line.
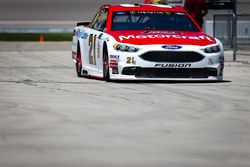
35 36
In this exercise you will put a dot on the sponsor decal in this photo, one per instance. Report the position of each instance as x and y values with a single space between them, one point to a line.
171 47
172 65
81 34
210 61
161 32
114 60
116 57
113 63
98 49
154 36
115 70
153 12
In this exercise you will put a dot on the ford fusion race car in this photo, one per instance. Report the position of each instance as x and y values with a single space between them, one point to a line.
145 41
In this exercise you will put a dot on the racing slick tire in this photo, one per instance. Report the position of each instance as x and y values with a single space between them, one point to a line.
79 62
106 76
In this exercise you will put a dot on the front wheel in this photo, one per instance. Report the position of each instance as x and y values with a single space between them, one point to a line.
106 76
79 62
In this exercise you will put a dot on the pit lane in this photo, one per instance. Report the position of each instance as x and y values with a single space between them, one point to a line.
49 117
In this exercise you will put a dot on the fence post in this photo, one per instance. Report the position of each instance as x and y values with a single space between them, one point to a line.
234 37
234 31
214 26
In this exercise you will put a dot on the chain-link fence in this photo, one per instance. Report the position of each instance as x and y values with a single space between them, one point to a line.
224 30
243 32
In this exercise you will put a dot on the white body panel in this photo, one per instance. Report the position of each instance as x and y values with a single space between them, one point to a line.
92 44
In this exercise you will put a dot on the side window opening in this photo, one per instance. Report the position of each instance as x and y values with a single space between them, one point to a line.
99 21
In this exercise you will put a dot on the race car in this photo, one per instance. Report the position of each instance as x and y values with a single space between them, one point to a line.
145 42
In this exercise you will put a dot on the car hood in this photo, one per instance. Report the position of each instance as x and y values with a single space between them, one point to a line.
162 37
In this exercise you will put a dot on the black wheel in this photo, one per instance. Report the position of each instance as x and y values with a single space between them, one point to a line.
79 62
106 76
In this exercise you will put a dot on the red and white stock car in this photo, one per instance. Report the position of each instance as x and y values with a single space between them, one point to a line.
145 41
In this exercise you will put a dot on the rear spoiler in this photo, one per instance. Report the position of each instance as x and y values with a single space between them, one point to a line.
84 23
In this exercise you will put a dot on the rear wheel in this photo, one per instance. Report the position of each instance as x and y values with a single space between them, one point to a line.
106 65
79 62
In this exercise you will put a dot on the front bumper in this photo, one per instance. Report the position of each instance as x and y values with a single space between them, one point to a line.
140 72
183 65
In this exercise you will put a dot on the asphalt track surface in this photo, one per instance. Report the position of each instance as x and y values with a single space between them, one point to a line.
51 118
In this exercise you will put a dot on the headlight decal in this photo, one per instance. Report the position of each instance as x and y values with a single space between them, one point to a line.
212 49
125 48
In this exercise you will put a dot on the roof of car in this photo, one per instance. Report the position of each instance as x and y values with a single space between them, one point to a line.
144 7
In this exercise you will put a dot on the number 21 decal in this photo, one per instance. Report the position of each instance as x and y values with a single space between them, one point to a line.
92 49
131 60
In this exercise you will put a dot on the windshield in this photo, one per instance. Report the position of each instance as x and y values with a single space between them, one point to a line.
140 20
